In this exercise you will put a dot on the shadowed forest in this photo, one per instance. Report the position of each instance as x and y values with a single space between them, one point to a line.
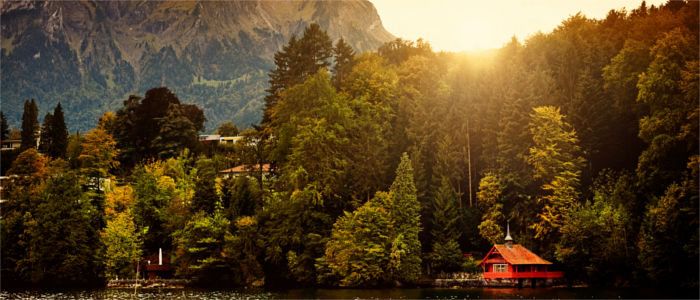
385 167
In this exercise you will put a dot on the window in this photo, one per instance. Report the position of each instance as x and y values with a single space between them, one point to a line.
500 268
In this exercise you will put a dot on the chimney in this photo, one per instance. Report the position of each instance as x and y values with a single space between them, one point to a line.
509 240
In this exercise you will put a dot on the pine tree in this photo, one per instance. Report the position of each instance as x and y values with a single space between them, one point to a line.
405 215
445 231
4 129
298 60
59 134
30 125
344 57
45 137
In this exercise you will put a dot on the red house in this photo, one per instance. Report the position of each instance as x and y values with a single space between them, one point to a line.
515 265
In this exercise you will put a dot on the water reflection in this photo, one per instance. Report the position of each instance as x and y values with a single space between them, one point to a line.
458 293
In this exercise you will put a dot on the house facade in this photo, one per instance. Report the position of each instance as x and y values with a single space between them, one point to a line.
514 265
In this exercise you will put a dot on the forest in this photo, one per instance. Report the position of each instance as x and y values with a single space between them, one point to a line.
386 167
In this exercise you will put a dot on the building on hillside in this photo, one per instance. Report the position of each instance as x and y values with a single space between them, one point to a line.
245 170
229 140
515 265
209 138
11 144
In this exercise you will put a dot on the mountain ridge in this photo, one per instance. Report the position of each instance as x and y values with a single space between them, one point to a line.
90 55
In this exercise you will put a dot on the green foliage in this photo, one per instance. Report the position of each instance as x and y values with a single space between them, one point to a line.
490 201
227 129
598 236
357 253
667 249
122 246
446 255
176 133
405 258
98 154
4 128
205 196
63 241
298 60
30 125
557 165
670 128
344 57
150 209
200 246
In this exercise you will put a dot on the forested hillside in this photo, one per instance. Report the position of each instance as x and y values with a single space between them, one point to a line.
386 167
91 55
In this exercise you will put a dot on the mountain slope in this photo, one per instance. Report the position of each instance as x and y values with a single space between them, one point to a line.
90 55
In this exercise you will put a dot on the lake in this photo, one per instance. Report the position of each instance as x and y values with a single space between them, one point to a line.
316 293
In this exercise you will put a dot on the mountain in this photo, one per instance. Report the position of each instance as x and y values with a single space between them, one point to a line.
90 55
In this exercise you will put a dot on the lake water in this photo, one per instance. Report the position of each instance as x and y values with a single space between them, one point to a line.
430 293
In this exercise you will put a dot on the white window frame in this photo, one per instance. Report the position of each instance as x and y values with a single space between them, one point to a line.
500 268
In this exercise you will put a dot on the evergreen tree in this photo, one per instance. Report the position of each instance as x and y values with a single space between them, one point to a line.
405 259
298 60
64 245
46 137
205 196
59 134
344 57
30 125
4 129
445 255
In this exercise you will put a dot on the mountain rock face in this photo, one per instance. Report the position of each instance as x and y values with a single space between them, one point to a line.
90 55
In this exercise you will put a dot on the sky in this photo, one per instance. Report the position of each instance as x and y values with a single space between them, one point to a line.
472 25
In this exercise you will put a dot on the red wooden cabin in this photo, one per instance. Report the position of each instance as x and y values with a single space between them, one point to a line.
515 265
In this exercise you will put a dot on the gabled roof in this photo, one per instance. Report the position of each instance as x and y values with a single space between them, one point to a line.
517 255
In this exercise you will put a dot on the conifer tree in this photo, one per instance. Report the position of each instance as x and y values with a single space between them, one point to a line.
59 134
344 57
445 232
45 137
4 129
30 125
405 215
297 60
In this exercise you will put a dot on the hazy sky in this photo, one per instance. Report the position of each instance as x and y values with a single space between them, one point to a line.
456 25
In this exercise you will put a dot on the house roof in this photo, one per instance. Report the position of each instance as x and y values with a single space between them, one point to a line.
246 168
517 255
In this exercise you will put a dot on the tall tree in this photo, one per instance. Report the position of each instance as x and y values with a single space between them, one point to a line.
557 165
297 60
59 133
405 215
490 201
30 125
122 246
343 56
445 232
45 137
4 129
98 154
176 132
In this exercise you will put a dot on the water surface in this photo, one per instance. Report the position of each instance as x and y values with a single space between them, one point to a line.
316 293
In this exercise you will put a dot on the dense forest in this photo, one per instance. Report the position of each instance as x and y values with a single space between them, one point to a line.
387 166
